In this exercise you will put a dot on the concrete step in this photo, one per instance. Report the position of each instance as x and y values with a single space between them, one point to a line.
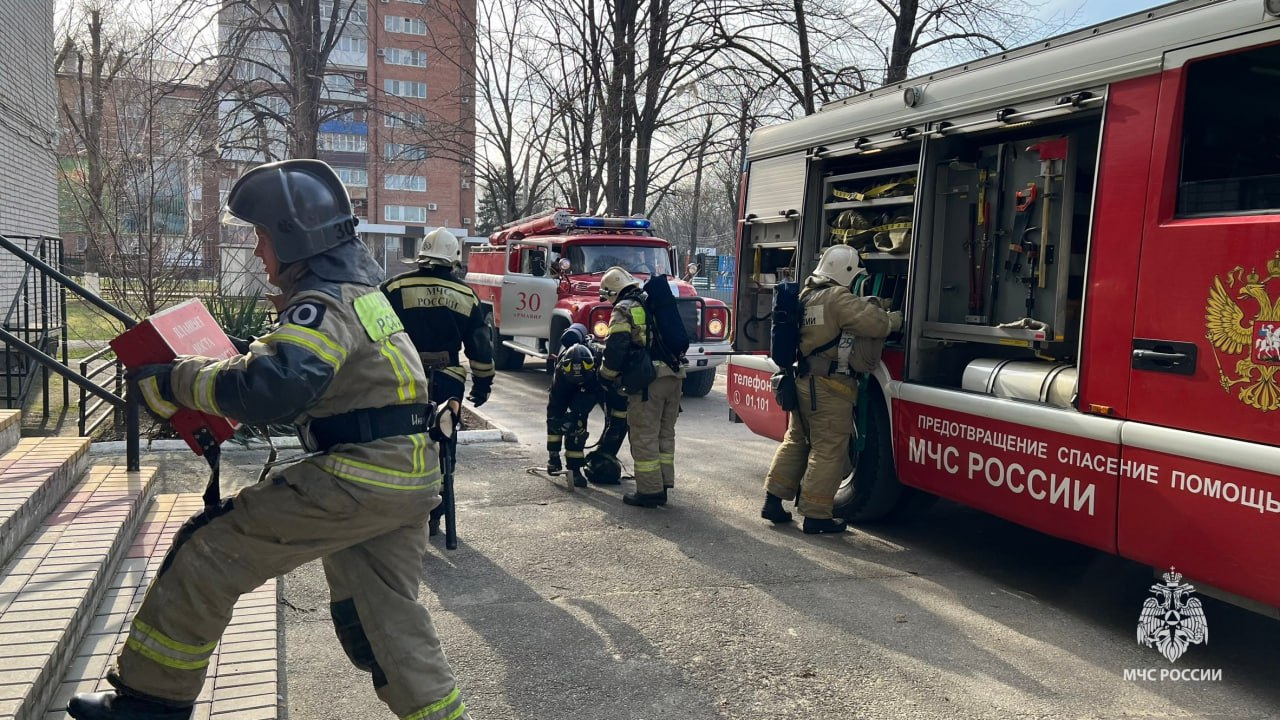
35 474
10 430
243 681
52 584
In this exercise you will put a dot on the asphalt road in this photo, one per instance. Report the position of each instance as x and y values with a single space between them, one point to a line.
564 605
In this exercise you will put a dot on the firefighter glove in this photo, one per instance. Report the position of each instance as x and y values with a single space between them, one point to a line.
895 321
480 389
157 393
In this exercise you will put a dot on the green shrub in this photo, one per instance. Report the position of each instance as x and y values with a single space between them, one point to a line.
242 317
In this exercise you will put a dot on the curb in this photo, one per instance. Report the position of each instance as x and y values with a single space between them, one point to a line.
505 434
115 447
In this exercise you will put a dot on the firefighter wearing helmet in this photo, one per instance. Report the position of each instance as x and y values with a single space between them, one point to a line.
811 459
339 366
443 316
568 411
575 390
652 387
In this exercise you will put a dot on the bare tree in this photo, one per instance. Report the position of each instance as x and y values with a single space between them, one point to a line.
802 46
132 144
909 29
515 165
276 82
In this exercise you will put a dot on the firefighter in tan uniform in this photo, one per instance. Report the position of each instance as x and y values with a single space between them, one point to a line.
339 367
652 386
810 461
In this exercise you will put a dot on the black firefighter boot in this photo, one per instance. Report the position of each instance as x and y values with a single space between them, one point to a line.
813 526
773 511
579 480
116 706
553 464
648 500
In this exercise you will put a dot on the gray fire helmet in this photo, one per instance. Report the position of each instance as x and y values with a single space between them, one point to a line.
301 203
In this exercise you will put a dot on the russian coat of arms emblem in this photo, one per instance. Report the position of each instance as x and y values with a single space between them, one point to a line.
1173 620
1242 321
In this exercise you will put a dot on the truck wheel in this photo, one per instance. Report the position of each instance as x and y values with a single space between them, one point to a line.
698 384
871 492
558 326
504 358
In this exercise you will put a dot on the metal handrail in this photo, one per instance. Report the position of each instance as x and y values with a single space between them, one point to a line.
126 401
88 408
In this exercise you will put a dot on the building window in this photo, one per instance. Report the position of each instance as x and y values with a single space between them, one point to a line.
413 183
341 84
352 45
405 88
404 119
408 26
342 142
404 213
415 2
359 15
353 177
412 58
400 151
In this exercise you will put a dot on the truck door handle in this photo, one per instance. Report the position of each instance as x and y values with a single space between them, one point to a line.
1168 356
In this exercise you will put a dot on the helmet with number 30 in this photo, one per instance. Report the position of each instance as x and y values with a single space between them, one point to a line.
302 204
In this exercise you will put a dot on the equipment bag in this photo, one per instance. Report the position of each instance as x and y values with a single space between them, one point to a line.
668 339
784 331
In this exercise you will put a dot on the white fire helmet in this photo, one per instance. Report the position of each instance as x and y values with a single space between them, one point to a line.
438 247
839 263
615 280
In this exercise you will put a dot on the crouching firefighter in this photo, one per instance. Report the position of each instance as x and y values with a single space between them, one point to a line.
811 459
340 367
575 391
652 386
443 316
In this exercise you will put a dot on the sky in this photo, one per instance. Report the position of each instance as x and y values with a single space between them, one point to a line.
1096 11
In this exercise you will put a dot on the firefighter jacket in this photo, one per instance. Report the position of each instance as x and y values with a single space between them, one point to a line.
628 341
833 313
338 347
442 315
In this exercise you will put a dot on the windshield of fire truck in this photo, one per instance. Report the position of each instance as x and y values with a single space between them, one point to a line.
593 259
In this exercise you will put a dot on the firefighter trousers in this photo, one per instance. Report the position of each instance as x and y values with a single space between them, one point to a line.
615 422
372 540
814 455
652 425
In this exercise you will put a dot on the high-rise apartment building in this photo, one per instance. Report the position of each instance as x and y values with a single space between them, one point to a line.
397 95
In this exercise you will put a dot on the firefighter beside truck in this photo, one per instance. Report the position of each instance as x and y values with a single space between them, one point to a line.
539 275
1082 238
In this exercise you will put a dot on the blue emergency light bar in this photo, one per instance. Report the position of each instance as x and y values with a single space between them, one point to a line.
612 222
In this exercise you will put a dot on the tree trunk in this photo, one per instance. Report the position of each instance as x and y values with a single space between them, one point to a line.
902 46
307 63
806 60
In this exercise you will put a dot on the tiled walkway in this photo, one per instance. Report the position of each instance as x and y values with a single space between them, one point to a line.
242 682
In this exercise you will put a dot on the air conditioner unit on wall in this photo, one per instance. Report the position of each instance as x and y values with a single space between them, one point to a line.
432 206
466 221
381 52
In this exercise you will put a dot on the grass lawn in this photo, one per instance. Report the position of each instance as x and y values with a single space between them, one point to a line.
86 322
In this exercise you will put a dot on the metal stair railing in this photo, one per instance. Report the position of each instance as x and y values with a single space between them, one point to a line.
126 402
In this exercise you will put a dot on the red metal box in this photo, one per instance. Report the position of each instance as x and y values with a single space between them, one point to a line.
185 329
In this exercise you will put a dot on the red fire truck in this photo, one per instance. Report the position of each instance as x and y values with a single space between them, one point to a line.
1084 238
540 274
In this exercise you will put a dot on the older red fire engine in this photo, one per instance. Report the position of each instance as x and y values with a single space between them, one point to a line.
1084 238
540 274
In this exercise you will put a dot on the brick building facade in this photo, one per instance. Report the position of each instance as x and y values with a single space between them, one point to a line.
28 131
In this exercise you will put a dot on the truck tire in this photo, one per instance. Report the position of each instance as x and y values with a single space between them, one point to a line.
871 492
558 326
504 358
698 384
